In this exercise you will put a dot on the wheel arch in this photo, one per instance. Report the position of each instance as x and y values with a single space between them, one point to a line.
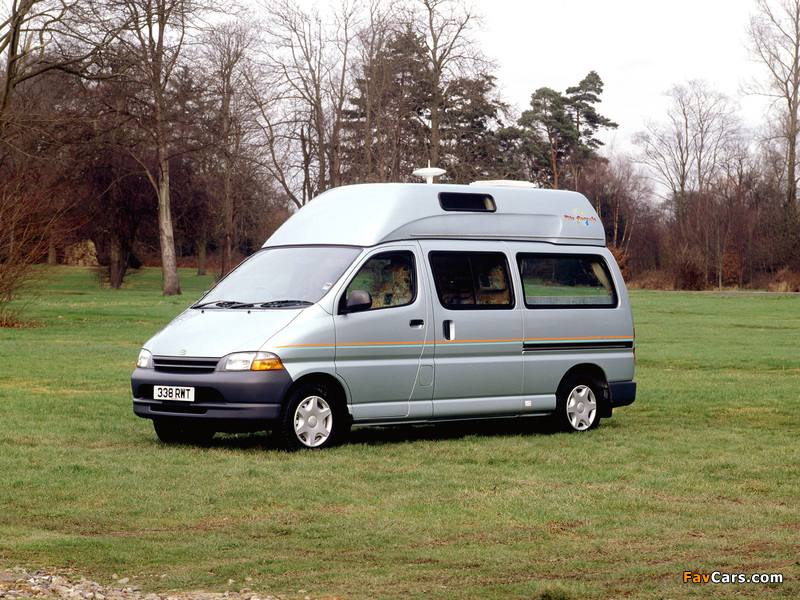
597 374
326 379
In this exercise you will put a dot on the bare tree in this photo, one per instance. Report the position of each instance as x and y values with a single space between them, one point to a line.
687 155
618 190
382 105
37 36
774 38
390 120
153 43
40 39
303 93
448 54
684 153
227 48
30 212
729 226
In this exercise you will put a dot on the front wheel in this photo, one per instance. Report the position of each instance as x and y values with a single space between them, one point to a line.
578 404
313 417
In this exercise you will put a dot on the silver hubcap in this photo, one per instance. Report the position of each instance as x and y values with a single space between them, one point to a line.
313 420
581 408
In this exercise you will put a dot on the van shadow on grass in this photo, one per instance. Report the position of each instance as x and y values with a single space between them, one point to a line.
397 434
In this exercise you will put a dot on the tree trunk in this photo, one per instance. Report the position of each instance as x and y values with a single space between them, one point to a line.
169 263
227 241
117 263
52 254
436 123
791 160
201 257
227 193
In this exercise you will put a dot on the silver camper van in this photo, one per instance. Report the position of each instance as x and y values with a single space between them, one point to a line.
383 304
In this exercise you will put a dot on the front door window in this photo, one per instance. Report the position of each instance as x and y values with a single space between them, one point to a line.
389 279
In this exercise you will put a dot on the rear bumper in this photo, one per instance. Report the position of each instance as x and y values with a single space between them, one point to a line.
226 398
622 393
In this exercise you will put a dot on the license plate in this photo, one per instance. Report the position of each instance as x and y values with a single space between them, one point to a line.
173 392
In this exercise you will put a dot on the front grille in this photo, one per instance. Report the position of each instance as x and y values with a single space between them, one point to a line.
176 364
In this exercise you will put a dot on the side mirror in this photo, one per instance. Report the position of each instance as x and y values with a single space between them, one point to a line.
358 301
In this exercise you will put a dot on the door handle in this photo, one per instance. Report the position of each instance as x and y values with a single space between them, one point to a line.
416 323
449 330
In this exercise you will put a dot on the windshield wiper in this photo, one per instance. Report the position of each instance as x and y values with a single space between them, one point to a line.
237 304
282 303
225 304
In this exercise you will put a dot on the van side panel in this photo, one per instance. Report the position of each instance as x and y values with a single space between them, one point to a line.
380 350
557 338
477 329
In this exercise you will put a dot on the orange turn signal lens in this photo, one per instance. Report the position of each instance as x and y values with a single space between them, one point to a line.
264 361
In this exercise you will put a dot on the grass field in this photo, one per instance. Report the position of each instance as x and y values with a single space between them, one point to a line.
700 474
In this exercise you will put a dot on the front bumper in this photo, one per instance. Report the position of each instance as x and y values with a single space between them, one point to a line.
236 399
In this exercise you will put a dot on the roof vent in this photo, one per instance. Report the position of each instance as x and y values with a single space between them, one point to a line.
505 183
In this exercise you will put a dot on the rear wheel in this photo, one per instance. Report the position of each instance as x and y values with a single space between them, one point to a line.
176 431
313 417
578 408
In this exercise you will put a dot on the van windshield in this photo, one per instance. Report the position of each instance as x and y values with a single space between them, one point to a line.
281 278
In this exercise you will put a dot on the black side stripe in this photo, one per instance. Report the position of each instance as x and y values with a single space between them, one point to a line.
583 345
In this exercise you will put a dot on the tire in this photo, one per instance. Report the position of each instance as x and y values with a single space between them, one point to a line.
578 407
176 431
313 418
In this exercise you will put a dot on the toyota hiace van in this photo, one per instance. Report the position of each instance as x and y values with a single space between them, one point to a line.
381 304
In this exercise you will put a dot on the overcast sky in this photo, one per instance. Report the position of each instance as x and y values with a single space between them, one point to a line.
640 48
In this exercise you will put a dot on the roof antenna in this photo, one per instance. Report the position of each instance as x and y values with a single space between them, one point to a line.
429 173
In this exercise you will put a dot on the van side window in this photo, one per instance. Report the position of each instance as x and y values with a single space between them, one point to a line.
566 280
472 280
389 279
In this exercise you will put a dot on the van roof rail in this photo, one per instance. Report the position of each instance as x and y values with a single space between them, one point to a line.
505 183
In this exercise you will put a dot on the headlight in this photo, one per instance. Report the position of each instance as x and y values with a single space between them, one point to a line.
145 360
252 361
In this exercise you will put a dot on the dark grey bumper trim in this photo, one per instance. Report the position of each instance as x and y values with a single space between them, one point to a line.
222 396
622 393
153 409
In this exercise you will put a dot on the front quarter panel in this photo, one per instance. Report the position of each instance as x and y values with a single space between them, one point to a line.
307 346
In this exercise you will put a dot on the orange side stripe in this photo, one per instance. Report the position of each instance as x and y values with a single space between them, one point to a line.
307 346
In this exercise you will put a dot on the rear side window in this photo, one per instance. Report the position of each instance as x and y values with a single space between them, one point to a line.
564 281
472 280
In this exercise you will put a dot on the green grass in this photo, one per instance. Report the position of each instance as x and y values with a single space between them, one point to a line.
701 473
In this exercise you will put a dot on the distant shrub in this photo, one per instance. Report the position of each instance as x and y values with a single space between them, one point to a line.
622 261
783 281
732 264
690 277
655 279
81 254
